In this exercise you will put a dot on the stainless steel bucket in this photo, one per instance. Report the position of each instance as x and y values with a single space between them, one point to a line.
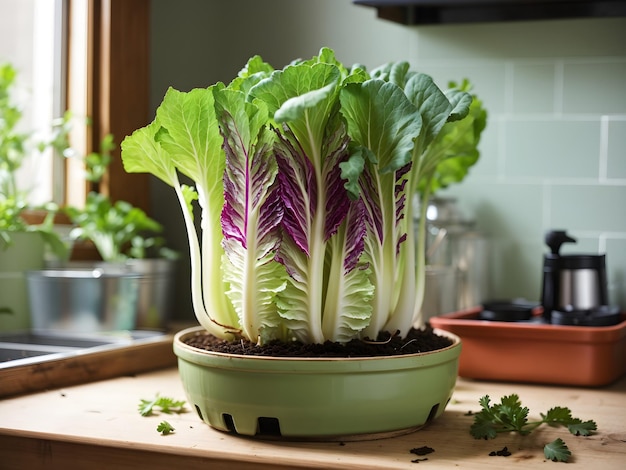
82 300
100 296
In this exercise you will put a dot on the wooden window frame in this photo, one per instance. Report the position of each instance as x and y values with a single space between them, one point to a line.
111 85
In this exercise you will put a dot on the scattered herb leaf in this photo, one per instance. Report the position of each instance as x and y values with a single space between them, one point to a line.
557 451
510 416
163 404
165 428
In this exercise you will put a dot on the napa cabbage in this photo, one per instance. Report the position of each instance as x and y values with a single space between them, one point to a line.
305 179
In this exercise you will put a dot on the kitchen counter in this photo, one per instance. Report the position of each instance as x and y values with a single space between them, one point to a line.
97 426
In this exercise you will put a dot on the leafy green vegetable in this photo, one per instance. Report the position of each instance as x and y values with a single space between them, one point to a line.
165 428
163 404
305 178
510 416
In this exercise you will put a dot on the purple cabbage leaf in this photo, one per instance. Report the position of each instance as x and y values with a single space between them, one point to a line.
251 216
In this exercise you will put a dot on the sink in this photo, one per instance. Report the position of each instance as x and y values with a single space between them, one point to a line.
12 352
32 361
21 346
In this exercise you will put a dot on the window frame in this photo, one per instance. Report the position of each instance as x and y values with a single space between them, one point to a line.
108 79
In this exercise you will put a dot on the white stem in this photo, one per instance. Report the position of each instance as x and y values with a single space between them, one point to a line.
204 317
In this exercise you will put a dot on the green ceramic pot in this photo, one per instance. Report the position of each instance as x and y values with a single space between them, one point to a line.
325 399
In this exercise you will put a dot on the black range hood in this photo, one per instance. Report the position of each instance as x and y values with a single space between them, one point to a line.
420 12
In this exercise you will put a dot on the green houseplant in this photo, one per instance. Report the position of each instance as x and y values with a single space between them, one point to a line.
305 177
118 230
22 244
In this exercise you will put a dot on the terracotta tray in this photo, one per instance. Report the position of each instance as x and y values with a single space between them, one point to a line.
535 352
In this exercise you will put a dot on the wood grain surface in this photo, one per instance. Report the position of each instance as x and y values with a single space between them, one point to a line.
97 426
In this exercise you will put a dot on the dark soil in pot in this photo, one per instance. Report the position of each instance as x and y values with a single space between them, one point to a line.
416 341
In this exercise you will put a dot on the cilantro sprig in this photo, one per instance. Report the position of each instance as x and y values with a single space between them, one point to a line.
510 416
163 404
165 428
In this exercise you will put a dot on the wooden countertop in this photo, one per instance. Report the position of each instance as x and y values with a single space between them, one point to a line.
97 426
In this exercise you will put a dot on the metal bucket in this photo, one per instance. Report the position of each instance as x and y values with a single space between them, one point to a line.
82 300
156 291
148 285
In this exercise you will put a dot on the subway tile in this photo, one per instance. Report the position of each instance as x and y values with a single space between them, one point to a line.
616 150
588 207
533 88
487 77
516 268
594 87
616 270
503 210
552 148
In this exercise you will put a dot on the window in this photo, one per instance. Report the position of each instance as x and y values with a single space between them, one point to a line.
32 39
89 56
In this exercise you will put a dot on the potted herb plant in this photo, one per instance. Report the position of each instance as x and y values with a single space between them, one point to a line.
304 176
23 243
132 281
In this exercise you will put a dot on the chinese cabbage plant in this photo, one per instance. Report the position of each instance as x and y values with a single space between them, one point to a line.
304 177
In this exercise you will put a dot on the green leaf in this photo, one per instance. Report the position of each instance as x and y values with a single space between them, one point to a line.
508 415
557 451
145 407
165 428
381 118
557 416
164 404
433 105
483 428
142 153
303 96
582 428
193 140
513 413
454 150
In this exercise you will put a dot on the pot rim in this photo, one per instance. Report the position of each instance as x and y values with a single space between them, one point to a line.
180 345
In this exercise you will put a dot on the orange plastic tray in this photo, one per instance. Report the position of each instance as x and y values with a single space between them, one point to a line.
537 353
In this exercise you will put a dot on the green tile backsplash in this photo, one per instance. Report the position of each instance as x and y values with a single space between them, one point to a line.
554 152
549 148
595 86
532 87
